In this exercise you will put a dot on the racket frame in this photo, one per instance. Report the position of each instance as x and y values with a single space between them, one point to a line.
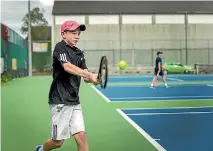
104 61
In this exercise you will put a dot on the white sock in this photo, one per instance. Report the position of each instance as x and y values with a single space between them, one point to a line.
166 84
152 85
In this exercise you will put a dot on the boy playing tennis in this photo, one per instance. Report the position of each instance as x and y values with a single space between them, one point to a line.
68 68
158 70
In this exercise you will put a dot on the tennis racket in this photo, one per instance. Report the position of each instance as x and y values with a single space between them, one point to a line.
103 72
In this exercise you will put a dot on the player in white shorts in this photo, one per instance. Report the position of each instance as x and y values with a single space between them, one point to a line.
68 68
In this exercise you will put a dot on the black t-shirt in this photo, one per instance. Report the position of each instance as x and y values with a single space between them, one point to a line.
65 86
158 59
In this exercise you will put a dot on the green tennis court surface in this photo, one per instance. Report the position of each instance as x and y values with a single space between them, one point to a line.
26 117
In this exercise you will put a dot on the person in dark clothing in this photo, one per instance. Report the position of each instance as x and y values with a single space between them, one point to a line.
158 71
69 66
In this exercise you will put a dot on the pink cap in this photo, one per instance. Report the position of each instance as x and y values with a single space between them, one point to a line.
72 25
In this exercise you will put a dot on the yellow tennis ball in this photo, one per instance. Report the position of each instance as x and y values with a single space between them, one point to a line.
122 65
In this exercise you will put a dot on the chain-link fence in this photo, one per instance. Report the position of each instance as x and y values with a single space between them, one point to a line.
190 52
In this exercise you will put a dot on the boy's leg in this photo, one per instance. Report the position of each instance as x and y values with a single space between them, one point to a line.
163 78
60 130
81 141
49 145
154 78
78 128
157 83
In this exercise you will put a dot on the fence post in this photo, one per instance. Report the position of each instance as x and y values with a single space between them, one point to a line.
186 37
181 55
152 62
208 53
152 56
133 57
29 42
113 55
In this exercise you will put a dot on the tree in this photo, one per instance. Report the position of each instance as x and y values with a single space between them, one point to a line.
37 19
40 32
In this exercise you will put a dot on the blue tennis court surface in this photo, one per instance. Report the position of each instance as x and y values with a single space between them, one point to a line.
168 129
174 129
177 78
143 93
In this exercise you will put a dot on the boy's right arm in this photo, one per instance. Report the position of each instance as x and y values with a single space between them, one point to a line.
66 62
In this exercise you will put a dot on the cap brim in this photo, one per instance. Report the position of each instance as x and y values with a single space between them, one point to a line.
82 27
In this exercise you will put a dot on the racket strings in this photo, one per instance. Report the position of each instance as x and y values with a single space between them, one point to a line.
103 72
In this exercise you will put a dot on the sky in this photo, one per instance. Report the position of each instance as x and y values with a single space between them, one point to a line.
12 12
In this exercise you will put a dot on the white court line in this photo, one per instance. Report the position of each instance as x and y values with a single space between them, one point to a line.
167 108
178 85
140 130
210 85
148 86
101 94
174 79
170 113
146 101
133 76
168 97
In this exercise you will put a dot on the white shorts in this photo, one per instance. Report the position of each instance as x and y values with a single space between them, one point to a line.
66 120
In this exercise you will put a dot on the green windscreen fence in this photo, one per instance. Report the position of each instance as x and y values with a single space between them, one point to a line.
15 59
41 60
